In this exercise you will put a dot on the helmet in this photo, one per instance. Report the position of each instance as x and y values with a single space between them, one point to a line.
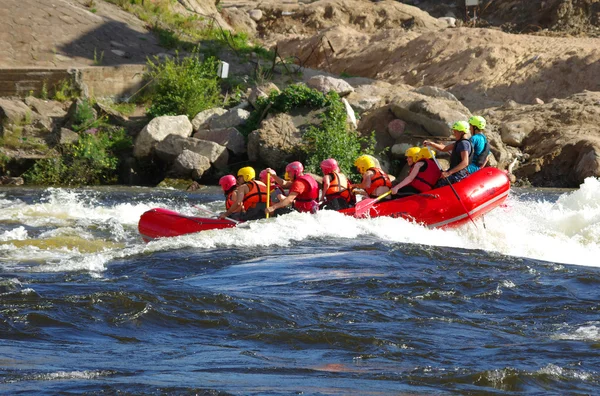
329 165
414 153
478 122
227 182
364 162
263 176
293 169
427 154
461 126
247 173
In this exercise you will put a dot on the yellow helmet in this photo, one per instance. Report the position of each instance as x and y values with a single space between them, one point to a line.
247 173
426 154
364 162
478 122
461 126
413 153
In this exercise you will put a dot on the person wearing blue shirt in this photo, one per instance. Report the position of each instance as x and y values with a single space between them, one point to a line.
481 147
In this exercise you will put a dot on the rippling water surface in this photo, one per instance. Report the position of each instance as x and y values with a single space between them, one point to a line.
300 304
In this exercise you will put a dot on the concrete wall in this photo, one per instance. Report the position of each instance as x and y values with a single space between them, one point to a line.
99 81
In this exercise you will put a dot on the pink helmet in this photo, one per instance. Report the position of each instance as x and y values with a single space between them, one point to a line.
263 176
227 182
329 165
293 169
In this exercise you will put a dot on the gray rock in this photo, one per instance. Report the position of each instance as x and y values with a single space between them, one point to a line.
228 137
190 164
173 145
255 15
201 119
275 141
513 133
232 118
325 84
436 92
66 136
157 130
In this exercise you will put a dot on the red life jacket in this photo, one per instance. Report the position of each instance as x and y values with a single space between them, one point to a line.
428 175
257 193
379 179
307 201
338 187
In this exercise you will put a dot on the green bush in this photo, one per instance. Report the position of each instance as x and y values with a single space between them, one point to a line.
93 159
332 139
183 85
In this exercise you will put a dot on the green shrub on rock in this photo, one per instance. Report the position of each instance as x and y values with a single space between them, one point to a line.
92 160
183 85
332 139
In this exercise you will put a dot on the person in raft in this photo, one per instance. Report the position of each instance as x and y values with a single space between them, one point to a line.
461 154
251 195
229 185
374 181
481 146
336 187
424 173
304 190
276 192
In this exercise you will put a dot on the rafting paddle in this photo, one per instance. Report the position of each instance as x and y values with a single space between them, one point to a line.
363 206
214 214
451 186
268 192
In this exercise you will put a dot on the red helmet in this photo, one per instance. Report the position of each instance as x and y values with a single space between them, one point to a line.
227 182
329 165
293 169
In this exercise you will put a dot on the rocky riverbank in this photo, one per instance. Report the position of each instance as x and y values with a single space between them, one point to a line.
404 73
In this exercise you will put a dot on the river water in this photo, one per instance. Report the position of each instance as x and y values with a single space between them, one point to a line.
301 304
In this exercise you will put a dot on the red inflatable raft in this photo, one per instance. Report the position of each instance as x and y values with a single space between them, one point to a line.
479 193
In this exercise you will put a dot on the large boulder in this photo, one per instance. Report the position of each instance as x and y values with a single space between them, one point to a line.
202 119
228 137
434 114
190 164
173 145
157 130
275 142
562 146
325 84
261 91
232 118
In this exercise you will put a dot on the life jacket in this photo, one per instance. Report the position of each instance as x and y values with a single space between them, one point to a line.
480 159
379 179
428 175
338 187
257 193
455 157
229 200
307 201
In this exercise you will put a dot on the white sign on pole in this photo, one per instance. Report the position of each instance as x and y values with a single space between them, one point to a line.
223 69
471 3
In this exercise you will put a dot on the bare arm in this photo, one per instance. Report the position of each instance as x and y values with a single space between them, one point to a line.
464 162
326 183
283 183
439 146
408 179
282 204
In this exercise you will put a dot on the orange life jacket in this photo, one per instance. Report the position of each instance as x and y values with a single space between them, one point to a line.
428 175
229 200
379 179
338 187
307 201
257 193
